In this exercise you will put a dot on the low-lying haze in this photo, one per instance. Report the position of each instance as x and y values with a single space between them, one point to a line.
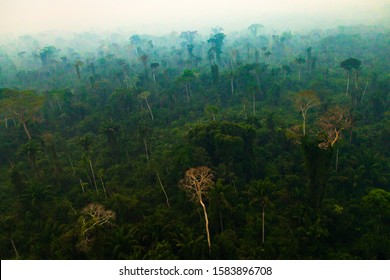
157 16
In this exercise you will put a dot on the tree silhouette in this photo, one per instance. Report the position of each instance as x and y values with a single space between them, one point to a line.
216 42
348 65
300 60
254 28
77 65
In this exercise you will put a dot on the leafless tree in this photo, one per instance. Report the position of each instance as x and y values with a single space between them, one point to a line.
93 216
197 182
305 100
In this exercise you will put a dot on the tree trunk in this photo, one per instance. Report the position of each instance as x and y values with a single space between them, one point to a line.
207 223
150 109
14 247
103 186
163 189
262 226
146 150
364 92
356 78
71 164
187 94
347 83
154 80
25 128
82 185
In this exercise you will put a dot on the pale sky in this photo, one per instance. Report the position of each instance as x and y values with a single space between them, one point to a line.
25 16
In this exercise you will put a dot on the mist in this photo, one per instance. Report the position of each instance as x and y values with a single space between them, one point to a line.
195 130
161 17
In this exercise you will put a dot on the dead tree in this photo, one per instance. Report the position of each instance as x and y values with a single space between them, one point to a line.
197 182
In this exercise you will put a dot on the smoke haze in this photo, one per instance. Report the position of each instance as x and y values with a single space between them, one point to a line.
155 16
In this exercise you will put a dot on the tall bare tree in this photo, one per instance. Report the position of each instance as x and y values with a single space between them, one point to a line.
305 100
197 182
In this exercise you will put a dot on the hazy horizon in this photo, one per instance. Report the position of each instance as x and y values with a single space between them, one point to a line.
19 17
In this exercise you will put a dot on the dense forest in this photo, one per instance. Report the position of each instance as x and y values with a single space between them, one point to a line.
250 145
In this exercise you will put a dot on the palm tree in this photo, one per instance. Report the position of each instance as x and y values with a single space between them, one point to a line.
260 192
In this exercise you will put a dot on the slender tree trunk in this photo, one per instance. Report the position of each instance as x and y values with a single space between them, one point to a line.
82 185
163 189
146 150
71 164
189 90
206 223
258 81
154 80
262 226
187 93
356 78
304 123
14 247
25 128
232 85
347 83
150 109
59 104
337 160
103 186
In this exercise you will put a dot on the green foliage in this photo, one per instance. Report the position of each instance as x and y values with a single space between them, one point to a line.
112 128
